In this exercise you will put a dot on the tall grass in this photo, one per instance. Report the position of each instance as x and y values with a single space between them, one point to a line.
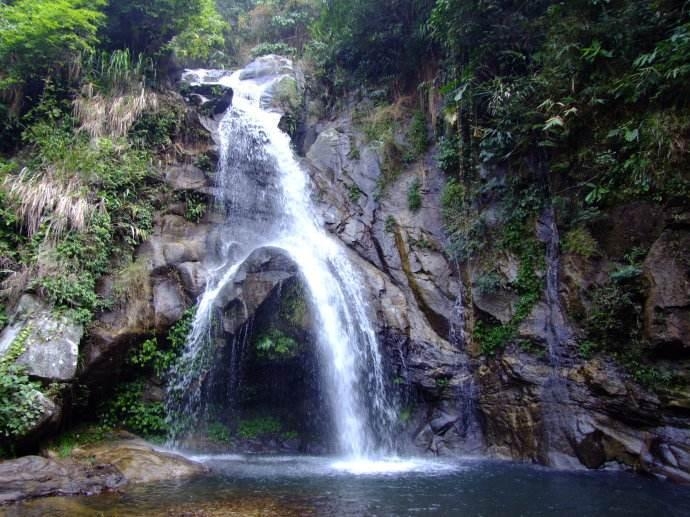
115 94
45 198
117 72
111 115
132 291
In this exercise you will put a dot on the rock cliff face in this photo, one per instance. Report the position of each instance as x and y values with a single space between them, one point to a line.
546 400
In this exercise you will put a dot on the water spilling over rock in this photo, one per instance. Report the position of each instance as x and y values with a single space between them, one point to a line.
263 194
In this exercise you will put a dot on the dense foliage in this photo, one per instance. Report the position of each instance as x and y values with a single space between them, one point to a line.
580 106
84 119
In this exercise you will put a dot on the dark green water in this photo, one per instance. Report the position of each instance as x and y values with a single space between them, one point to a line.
298 486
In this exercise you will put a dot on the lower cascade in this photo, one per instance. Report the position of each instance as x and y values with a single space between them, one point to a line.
262 193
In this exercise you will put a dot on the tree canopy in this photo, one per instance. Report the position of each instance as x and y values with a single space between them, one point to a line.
42 37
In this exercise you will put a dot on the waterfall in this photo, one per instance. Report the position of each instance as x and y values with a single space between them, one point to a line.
279 215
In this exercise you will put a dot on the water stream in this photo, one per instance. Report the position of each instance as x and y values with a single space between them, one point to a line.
555 395
264 194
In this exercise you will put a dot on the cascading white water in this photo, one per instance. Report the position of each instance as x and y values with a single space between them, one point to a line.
282 217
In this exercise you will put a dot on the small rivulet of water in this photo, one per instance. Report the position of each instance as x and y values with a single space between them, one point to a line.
555 394
265 197
468 391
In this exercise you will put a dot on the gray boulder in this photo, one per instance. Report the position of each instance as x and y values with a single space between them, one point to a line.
50 342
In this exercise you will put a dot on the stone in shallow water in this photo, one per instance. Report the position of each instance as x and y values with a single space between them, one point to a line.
139 462
34 476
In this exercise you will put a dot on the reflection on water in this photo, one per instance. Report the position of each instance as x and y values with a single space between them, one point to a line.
305 486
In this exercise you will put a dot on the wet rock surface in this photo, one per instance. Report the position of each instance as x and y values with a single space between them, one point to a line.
527 405
139 461
91 470
34 476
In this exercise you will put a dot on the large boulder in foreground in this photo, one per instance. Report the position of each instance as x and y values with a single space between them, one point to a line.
91 470
139 461
35 476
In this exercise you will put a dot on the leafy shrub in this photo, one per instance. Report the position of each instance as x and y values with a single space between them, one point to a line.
448 155
20 405
258 427
74 292
82 435
150 355
294 305
160 356
491 338
41 37
202 40
280 48
613 318
488 283
414 196
218 432
156 129
354 193
417 135
129 410
195 206
452 203
580 241
178 333
625 273
275 345
204 162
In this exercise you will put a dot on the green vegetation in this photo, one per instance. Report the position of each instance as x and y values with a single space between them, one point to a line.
258 427
520 209
294 305
195 206
405 414
580 241
274 345
20 403
41 40
442 383
81 435
417 136
447 156
129 410
578 106
414 195
489 283
370 40
613 321
129 407
354 193
193 29
218 432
